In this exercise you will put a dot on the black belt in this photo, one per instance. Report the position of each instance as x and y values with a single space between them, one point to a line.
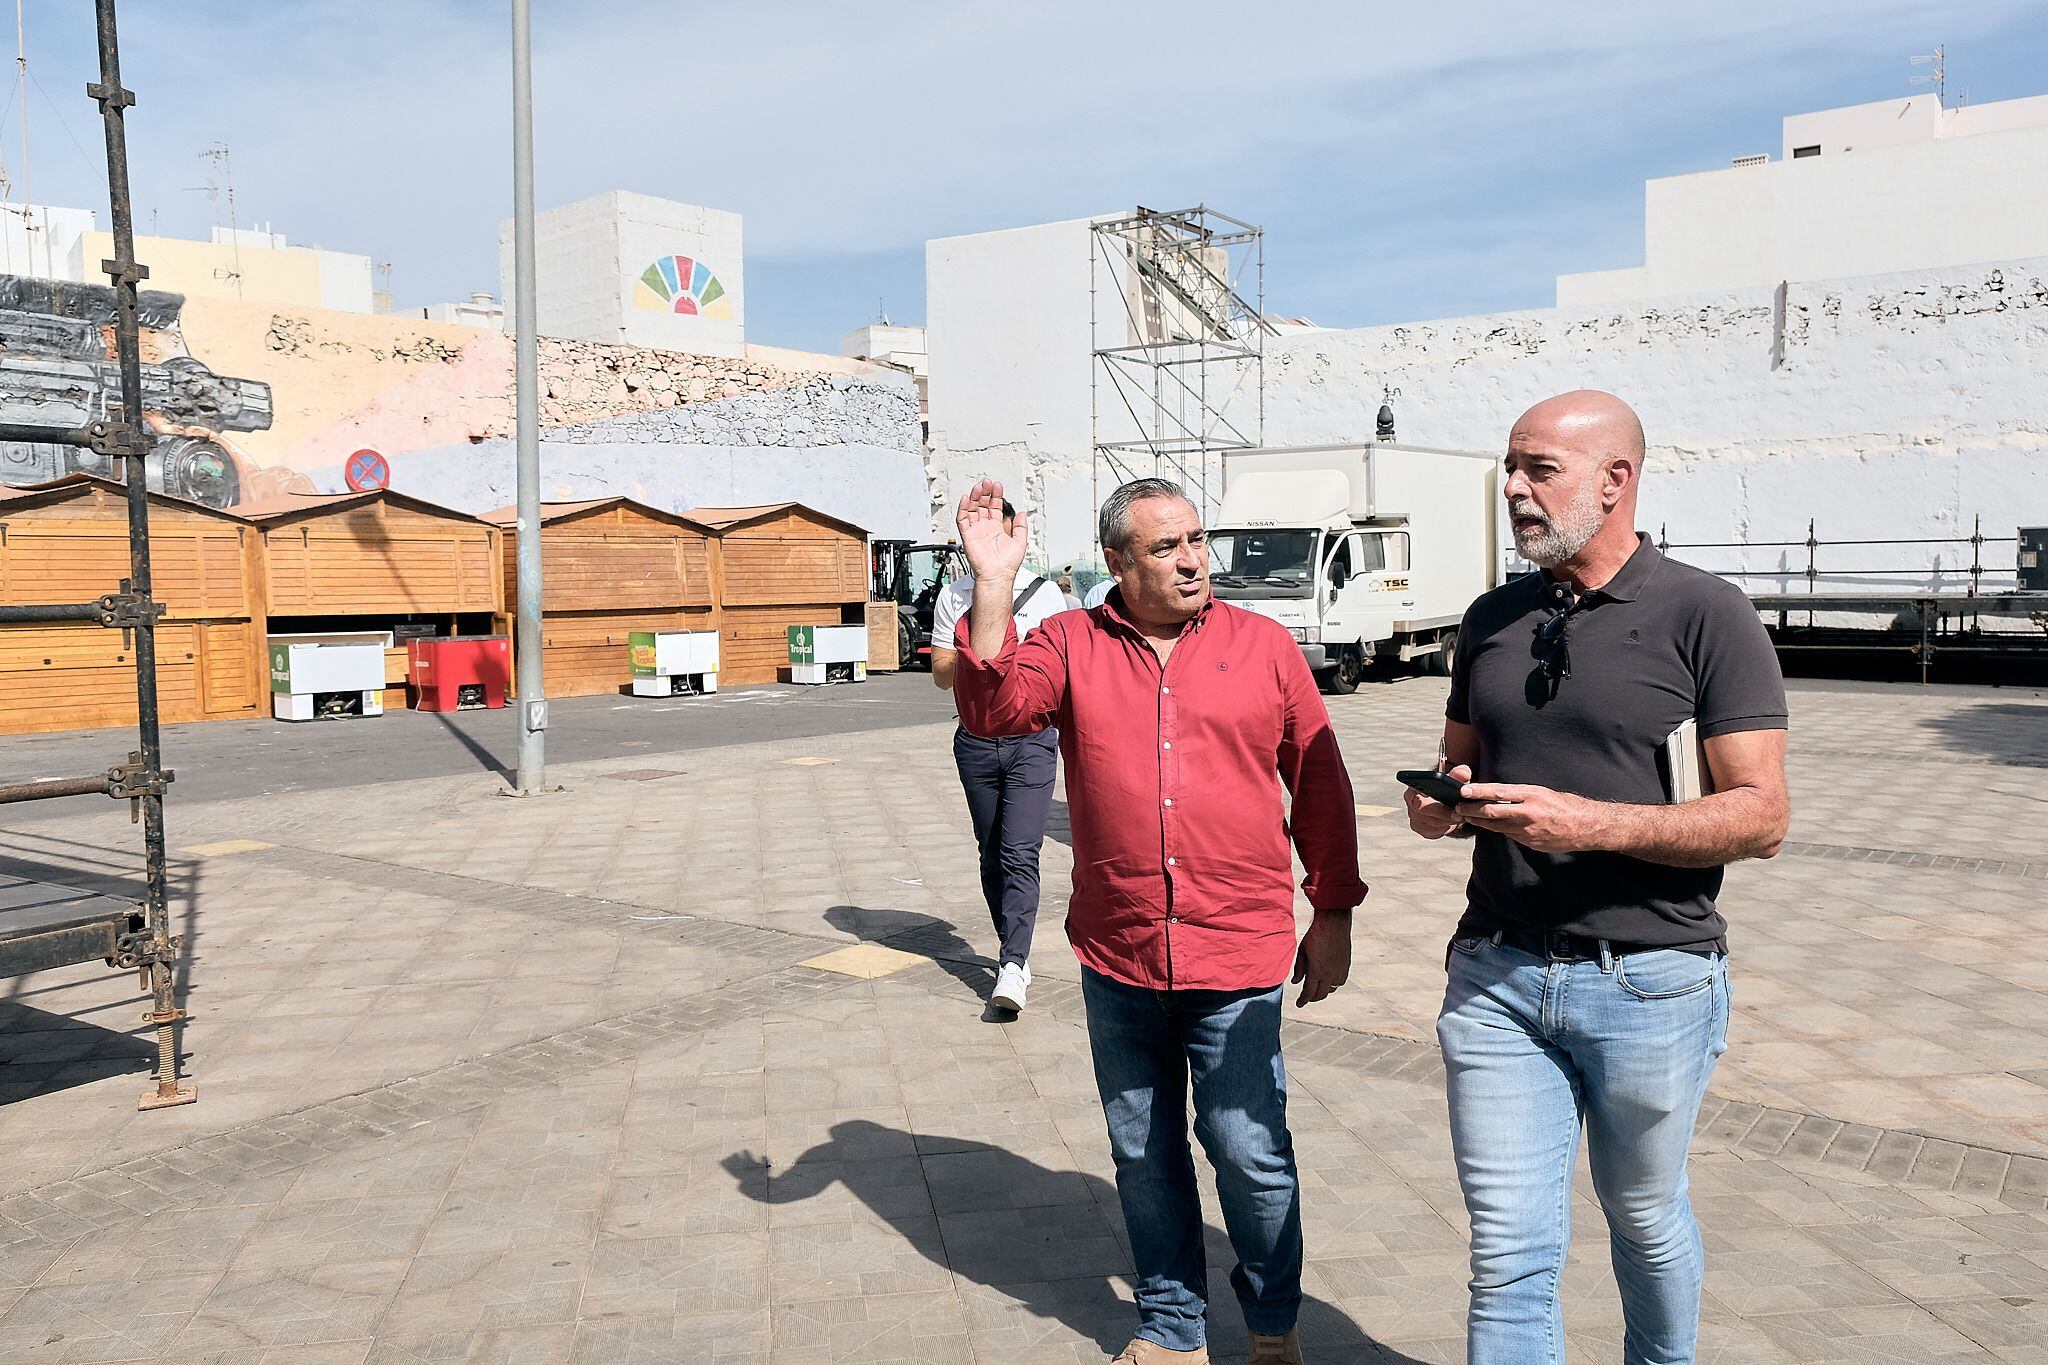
1559 946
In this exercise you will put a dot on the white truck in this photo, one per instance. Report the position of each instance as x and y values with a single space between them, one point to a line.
1364 552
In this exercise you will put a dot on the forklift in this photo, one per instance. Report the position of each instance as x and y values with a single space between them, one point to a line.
912 575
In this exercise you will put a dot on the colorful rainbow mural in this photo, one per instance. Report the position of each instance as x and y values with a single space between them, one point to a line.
677 284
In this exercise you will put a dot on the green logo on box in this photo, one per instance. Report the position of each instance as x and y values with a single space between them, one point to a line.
281 668
641 644
803 644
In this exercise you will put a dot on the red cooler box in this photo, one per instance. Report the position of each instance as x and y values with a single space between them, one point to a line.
458 672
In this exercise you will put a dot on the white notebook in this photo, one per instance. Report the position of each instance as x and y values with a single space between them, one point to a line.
1685 764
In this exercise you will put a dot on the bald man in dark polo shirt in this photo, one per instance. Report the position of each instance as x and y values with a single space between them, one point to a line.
1588 977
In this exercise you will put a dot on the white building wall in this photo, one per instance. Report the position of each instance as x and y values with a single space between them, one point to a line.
478 310
1893 406
1008 332
345 282
590 257
1902 185
904 346
40 240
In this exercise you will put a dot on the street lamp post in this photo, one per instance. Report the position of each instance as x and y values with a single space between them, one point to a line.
533 706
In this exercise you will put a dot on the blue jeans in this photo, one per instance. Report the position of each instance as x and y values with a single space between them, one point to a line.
1149 1047
1535 1048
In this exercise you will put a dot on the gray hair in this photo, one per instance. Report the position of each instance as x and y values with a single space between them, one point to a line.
1113 525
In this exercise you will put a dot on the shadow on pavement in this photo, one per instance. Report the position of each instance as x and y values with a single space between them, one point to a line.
1050 1240
925 935
489 761
43 1051
2004 732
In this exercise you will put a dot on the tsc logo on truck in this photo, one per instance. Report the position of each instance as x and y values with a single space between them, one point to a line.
1393 585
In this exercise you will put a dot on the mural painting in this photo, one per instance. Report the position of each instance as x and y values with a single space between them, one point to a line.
58 368
251 399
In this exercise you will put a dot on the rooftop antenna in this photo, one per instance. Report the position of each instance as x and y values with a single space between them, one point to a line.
1938 76
28 212
218 155
881 313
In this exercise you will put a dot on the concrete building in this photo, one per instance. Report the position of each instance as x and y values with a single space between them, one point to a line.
1009 340
1793 356
633 269
901 347
480 309
42 240
1873 189
253 264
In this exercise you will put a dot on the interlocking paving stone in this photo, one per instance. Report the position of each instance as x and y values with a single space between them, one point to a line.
2034 870
335 1126
881 1104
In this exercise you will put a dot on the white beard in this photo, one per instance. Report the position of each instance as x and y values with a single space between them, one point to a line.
1561 537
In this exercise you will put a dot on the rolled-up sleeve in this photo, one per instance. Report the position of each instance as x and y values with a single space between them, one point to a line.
1020 691
1325 814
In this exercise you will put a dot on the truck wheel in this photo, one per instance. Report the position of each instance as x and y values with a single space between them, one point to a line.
1350 668
906 652
1446 658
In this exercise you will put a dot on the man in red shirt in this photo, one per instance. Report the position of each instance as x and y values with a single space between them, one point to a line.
1181 719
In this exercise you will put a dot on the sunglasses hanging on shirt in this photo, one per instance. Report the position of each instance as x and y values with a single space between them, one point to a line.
1554 636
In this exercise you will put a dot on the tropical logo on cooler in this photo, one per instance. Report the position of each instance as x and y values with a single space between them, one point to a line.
677 284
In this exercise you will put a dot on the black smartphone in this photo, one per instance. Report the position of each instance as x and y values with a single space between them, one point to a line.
1434 785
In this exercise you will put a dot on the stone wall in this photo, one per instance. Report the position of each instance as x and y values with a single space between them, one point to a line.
1896 406
674 428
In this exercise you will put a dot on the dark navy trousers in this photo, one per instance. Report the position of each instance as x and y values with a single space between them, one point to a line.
1009 795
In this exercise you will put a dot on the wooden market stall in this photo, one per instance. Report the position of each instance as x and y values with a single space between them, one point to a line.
67 541
779 566
377 561
611 566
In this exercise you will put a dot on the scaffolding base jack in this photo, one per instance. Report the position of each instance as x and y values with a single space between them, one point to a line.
159 1099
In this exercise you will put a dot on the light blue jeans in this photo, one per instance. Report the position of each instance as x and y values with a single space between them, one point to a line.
1150 1047
1534 1049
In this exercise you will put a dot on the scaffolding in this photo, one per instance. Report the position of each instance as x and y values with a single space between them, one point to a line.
39 936
1177 334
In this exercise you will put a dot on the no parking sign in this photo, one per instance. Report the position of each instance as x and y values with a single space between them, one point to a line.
366 471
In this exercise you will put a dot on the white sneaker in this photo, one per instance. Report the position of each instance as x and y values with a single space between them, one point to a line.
1012 984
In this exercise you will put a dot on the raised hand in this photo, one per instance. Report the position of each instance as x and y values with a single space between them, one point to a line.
992 552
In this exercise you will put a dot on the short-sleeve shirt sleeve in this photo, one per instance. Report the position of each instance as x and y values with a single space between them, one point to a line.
1740 684
1458 707
947 610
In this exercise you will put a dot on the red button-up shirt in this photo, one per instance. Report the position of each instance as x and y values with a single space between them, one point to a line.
1182 878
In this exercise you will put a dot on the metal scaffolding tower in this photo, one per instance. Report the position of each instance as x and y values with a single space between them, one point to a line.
36 938
1178 349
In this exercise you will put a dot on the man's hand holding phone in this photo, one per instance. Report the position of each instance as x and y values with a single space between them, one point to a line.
1428 816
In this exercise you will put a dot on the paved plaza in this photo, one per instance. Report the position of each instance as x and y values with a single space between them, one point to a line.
687 1061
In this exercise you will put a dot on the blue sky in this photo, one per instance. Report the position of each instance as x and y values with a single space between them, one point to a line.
1407 162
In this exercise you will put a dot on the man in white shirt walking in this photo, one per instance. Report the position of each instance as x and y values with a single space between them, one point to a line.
1008 783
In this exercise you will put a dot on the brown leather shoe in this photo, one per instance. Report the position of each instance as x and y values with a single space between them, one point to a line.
1143 1352
1276 1350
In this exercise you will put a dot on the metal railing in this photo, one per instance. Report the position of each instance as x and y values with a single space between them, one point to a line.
153 949
1813 545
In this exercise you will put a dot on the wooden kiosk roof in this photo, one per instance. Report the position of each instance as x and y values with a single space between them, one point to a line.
281 506
507 517
53 490
723 519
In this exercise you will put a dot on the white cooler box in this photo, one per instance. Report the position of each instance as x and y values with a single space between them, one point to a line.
826 654
672 663
327 677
